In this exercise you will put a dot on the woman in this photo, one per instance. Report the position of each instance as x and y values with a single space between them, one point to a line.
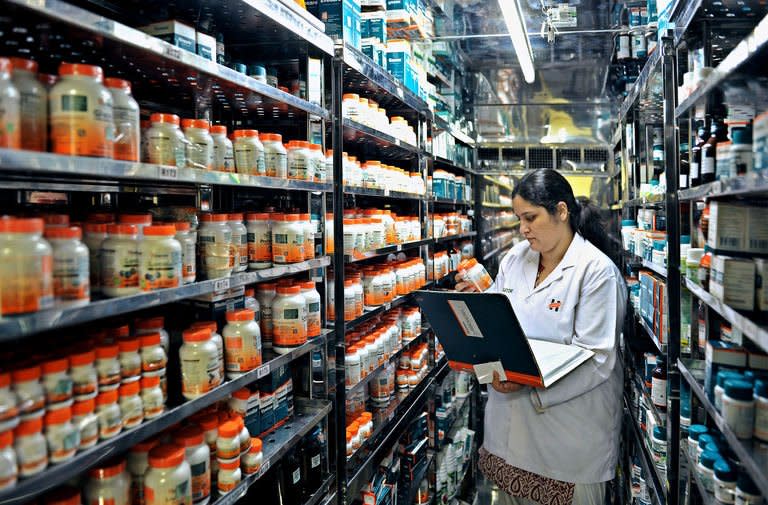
558 445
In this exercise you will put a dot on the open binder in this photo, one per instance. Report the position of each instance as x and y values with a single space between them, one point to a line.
482 328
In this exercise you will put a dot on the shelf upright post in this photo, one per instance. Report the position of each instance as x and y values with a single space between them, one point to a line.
673 266
337 140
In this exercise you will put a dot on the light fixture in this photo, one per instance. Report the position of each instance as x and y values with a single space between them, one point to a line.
513 17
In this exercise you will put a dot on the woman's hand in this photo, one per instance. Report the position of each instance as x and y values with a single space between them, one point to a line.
504 386
463 286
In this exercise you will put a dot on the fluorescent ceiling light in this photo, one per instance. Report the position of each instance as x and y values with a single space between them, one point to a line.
513 17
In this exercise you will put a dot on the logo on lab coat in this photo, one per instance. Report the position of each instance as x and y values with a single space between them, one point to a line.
554 305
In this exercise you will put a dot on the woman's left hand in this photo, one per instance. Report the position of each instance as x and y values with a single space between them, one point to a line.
504 386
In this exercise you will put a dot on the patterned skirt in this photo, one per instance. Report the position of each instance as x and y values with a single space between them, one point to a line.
524 484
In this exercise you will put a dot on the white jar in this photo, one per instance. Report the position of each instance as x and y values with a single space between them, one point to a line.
109 485
85 379
120 261
265 294
214 243
154 359
26 280
169 478
724 482
229 476
199 144
245 436
131 406
275 155
217 340
138 463
239 243
109 414
108 367
259 241
223 150
9 470
329 165
150 325
31 447
739 408
299 160
152 398
85 420
309 235
314 316
228 442
82 124
317 162
289 313
198 455
252 460
29 391
249 153
94 235
10 107
9 408
56 381
62 436
350 106
287 238
200 370
159 258
188 241
33 109
140 221
165 141
242 343
352 366
126 120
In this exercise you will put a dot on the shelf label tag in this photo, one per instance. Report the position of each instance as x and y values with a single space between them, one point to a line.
386 192
168 172
387 305
264 468
399 247
221 285
172 52
262 371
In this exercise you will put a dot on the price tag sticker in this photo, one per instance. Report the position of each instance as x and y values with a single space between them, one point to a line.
172 52
164 172
386 192
262 371
221 285
397 142
400 92
399 247
387 305
264 468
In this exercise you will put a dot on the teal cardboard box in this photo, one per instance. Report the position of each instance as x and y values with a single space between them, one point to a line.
342 18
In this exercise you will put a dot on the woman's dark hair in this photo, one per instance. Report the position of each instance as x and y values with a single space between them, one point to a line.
547 188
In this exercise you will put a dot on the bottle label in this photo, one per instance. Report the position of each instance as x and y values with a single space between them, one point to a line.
246 159
34 126
127 136
200 155
188 259
200 375
120 267
314 321
71 279
162 149
159 268
79 129
707 165
290 330
224 157
298 168
201 480
659 392
694 170
240 249
259 245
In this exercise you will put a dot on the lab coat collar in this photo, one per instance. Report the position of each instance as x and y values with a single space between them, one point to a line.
572 254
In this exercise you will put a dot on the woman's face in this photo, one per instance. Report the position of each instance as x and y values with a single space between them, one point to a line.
543 230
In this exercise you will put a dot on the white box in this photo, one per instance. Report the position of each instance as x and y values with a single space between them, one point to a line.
173 32
732 281
761 283
206 46
727 226
757 230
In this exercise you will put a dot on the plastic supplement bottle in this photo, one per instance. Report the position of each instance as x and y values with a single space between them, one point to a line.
199 145
26 267
223 150
81 114
126 117
85 379
120 261
289 313
109 414
229 476
9 408
287 238
198 455
131 406
215 242
259 241
200 368
242 343
34 105
275 155
31 447
9 470
71 277
160 260
94 234
739 407
108 367
475 274
138 463
154 359
239 243
165 142
217 340
298 160
150 325
314 317
249 153
169 478
10 108
62 436
228 442
85 420
188 242
265 295
109 484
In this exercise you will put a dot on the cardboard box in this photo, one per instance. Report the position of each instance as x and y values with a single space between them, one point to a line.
267 411
718 355
727 226
342 19
173 32
761 283
732 281
757 230
206 46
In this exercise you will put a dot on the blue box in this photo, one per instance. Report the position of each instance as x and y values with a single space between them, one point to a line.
276 379
173 32
342 18
267 411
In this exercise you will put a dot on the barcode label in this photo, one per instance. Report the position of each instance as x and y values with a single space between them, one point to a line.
221 285
729 241
172 52
760 244
168 172
262 371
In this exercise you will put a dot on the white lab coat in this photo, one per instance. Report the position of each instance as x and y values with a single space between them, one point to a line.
570 431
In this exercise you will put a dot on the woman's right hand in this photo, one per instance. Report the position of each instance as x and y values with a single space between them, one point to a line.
464 286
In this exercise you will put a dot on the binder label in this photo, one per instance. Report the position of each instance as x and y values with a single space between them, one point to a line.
464 317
